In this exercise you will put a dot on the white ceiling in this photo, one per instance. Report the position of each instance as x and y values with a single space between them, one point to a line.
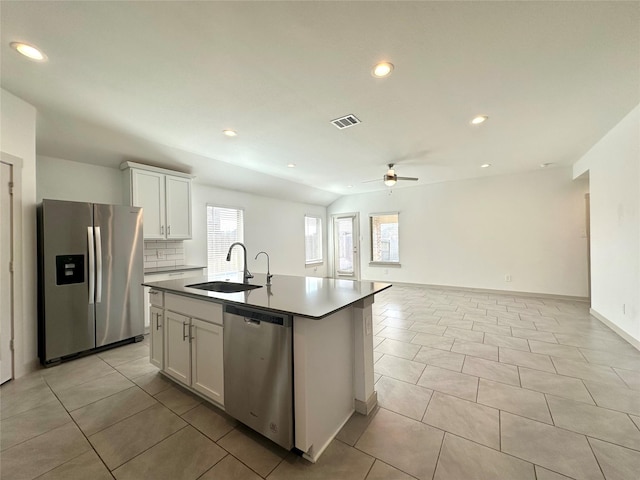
157 82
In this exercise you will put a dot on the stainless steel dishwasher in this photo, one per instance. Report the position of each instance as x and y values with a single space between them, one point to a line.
258 372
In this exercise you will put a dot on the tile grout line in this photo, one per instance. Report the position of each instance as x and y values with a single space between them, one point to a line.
81 432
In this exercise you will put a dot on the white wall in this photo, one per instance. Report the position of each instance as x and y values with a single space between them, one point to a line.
614 175
471 233
273 225
60 179
18 127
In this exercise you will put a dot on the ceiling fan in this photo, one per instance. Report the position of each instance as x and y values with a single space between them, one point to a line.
390 178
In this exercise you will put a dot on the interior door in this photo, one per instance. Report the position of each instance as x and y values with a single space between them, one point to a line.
6 275
346 259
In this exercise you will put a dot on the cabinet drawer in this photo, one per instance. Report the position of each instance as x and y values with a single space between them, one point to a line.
208 311
156 298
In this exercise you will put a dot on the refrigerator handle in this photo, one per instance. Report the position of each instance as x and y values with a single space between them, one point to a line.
98 266
92 272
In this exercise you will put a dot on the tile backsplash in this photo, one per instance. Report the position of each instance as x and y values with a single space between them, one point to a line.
160 253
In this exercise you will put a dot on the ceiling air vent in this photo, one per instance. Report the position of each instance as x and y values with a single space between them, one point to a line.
346 121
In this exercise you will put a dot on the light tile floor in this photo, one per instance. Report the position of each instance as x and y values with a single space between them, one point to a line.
470 386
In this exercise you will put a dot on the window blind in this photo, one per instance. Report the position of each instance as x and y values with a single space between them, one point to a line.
313 239
225 226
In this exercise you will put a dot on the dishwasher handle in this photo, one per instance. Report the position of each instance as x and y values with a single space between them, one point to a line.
255 317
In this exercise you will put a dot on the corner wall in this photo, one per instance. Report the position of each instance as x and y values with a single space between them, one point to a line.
613 165
472 233
18 127
78 182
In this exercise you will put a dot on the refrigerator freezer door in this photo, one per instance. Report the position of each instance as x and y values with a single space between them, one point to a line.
119 273
68 323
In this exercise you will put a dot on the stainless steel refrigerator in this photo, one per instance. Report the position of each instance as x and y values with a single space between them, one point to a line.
90 266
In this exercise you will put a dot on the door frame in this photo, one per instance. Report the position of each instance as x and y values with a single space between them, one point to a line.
355 216
17 314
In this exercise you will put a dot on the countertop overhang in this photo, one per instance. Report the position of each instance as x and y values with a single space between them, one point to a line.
311 297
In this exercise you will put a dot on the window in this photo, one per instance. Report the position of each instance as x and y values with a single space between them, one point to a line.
224 226
312 239
384 238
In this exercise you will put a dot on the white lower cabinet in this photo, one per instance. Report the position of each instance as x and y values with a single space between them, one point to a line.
193 350
207 375
177 347
156 329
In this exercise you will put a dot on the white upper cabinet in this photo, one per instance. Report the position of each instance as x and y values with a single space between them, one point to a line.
178 195
147 191
165 197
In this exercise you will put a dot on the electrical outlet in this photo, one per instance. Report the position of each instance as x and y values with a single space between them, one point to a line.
160 254
507 277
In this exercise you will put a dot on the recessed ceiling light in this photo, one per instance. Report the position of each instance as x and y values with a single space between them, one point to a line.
479 119
291 165
349 186
485 165
29 51
230 133
382 69
545 165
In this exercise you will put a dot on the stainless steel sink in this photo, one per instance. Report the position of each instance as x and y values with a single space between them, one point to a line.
224 287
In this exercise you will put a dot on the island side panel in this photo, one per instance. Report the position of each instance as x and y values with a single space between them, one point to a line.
323 353
366 398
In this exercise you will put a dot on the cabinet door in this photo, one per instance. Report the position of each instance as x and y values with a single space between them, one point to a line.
157 337
148 193
178 191
206 359
177 359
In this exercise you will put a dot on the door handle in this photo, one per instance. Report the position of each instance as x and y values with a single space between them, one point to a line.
92 268
98 266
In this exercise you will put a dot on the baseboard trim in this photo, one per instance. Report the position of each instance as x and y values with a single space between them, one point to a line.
634 343
365 408
552 296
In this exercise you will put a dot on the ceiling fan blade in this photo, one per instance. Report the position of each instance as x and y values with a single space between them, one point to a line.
370 181
413 179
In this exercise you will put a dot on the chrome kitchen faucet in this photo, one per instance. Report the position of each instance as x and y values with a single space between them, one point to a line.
247 273
269 276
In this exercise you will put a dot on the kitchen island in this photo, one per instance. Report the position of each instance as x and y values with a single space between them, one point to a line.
331 341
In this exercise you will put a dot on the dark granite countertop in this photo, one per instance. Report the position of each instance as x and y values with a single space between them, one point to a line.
310 297
174 268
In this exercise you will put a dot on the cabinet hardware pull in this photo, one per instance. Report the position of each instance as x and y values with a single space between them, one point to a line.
169 230
157 321
184 335
191 337
153 292
161 229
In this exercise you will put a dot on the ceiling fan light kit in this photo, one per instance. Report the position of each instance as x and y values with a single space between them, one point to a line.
391 178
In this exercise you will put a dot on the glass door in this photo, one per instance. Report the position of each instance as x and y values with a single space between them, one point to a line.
346 242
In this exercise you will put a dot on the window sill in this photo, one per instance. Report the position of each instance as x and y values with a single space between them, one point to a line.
385 264
314 264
